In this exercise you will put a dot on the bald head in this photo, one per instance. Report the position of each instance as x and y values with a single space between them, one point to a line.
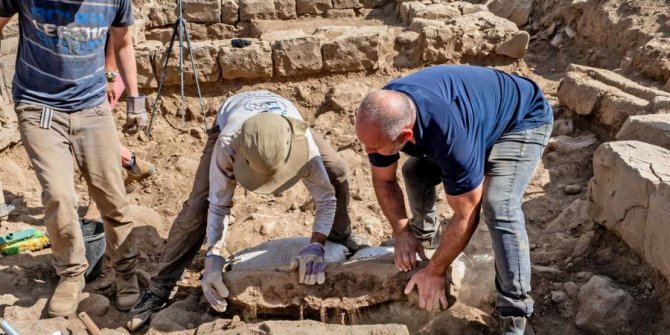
386 112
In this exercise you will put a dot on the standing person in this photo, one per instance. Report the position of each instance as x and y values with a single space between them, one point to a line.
64 118
232 144
479 131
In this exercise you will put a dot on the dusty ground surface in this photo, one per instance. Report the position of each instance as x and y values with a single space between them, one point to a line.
565 245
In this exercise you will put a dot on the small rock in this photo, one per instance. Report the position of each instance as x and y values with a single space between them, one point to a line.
571 288
571 189
374 227
197 132
604 307
8 299
563 127
558 296
93 304
268 227
556 41
32 313
514 47
584 275
570 32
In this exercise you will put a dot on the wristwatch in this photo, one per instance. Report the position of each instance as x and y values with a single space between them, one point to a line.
111 76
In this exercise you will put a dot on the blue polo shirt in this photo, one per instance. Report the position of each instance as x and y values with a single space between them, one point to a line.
461 112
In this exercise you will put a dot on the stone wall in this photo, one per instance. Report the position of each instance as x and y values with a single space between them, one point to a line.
630 194
300 38
607 99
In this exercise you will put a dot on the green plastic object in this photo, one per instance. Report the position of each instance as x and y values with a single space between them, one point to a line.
17 236
35 242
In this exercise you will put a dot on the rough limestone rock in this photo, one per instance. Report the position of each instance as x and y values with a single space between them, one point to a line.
251 62
35 312
202 11
206 60
516 11
229 11
408 10
162 15
343 4
297 56
349 285
629 194
604 307
285 9
50 326
515 47
257 9
313 7
653 129
436 12
346 97
654 59
353 48
93 304
182 315
608 98
472 35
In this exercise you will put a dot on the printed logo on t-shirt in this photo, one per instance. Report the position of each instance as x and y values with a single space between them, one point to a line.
68 32
269 105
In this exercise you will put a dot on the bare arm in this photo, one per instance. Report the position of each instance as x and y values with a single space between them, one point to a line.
390 197
125 57
459 231
110 58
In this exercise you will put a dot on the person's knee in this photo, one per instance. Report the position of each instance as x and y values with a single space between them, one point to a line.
337 170
59 197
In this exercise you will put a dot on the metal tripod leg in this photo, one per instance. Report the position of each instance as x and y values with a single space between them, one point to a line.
179 30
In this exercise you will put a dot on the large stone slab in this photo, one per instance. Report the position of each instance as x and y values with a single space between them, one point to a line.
352 48
304 327
653 129
350 285
313 7
251 62
607 98
629 194
516 11
297 56
654 59
202 11
145 55
257 9
473 35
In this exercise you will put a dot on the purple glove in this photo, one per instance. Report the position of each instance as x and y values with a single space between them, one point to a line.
310 264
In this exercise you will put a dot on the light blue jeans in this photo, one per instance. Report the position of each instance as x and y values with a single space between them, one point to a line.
510 166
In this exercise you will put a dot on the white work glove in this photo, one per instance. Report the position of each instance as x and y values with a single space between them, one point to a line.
213 288
136 114
311 265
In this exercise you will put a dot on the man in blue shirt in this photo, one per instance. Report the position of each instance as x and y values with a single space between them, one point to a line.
59 91
480 132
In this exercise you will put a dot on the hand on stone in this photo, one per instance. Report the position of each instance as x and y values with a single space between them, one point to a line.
406 248
310 264
213 288
431 289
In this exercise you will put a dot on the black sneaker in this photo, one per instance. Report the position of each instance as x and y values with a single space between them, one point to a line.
356 242
148 304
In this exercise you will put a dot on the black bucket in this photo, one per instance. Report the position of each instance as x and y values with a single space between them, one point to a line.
95 244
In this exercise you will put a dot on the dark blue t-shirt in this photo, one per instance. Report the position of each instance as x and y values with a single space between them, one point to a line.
462 111
61 56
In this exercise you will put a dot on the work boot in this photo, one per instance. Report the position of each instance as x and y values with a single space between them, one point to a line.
355 242
65 300
127 291
148 304
138 171
515 325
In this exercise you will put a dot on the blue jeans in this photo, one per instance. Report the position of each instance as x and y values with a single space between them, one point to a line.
510 166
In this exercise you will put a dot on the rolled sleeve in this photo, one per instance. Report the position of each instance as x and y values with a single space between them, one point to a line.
316 180
124 14
221 190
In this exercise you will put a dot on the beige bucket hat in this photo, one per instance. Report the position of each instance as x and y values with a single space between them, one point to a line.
271 153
